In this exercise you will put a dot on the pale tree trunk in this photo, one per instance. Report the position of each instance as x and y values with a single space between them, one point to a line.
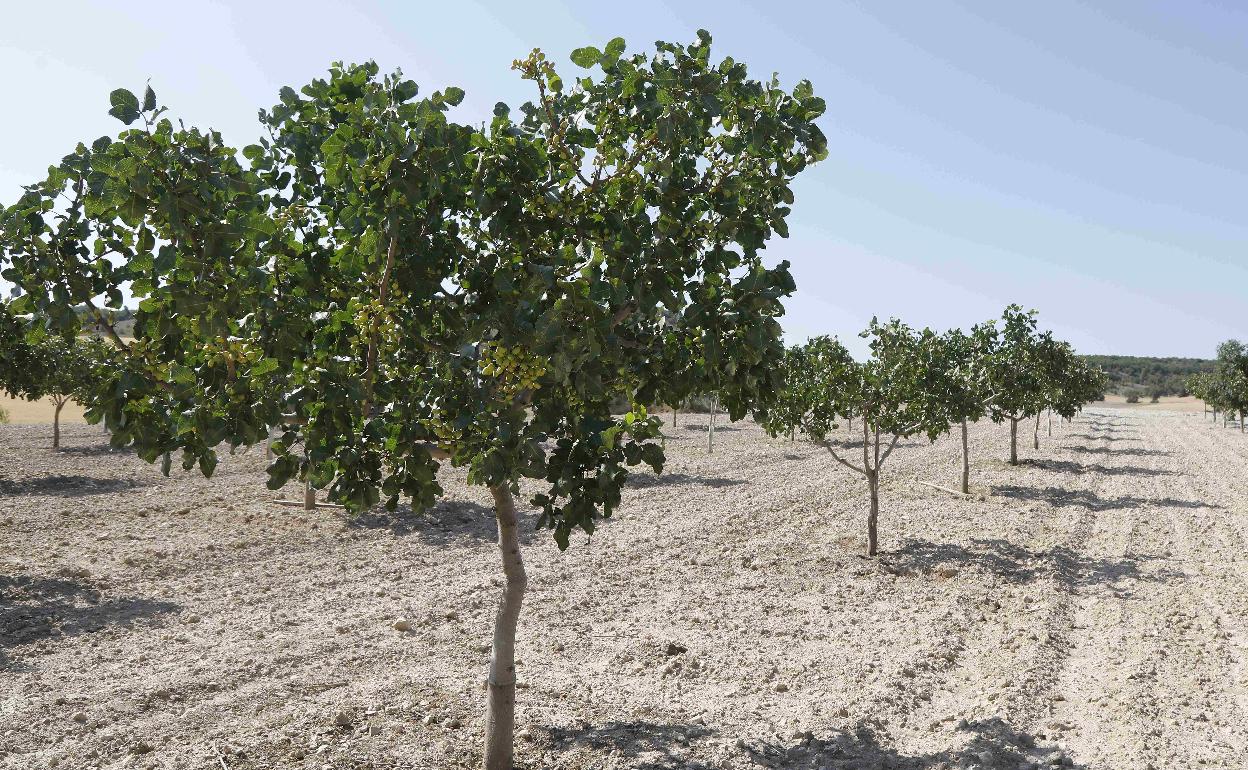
1241 420
1013 441
500 707
873 479
1050 423
966 462
710 427
56 424
309 493
1035 434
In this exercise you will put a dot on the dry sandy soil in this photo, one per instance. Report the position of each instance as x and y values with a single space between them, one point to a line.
1088 608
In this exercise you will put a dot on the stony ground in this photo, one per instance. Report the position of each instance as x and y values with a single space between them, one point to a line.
1088 608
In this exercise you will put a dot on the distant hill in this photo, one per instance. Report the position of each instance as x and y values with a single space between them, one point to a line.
1149 376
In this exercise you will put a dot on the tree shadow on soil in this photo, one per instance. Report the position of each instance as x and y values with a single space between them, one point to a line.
650 480
990 744
1066 466
446 523
1015 564
95 450
65 486
702 428
993 745
1110 439
643 745
1124 452
1082 498
36 608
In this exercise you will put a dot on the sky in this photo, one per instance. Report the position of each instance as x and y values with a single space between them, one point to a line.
1088 160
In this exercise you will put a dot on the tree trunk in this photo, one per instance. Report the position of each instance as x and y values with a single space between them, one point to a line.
500 706
1035 434
1050 423
710 428
873 480
56 424
966 462
673 416
309 495
1013 441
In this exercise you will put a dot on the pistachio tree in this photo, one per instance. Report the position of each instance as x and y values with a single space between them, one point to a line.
393 290
1231 373
62 370
897 393
964 383
1014 371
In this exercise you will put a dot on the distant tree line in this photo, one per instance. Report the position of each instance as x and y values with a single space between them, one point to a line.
1142 376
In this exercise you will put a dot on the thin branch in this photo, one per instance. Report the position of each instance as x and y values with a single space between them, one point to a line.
112 333
892 445
840 459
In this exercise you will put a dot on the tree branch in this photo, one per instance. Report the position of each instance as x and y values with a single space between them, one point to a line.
891 446
840 459
112 333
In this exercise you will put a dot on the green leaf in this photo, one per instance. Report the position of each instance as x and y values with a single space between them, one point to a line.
453 96
149 100
125 106
615 48
586 57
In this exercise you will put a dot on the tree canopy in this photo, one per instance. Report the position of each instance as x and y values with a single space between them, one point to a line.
406 286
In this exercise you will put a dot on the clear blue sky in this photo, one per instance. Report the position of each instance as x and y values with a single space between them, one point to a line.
1086 159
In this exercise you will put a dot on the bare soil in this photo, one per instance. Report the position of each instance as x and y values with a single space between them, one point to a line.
1087 608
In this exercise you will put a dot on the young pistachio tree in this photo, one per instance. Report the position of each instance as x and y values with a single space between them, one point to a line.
36 364
1232 376
428 292
788 404
65 369
1015 372
1056 365
897 394
1079 383
964 382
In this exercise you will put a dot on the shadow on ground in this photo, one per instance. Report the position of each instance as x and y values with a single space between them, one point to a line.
990 744
702 428
36 608
1082 498
65 486
446 523
993 745
94 450
649 480
1124 452
1110 439
1016 564
642 745
1067 466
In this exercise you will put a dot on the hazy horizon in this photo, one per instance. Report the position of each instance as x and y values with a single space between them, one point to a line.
1087 162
